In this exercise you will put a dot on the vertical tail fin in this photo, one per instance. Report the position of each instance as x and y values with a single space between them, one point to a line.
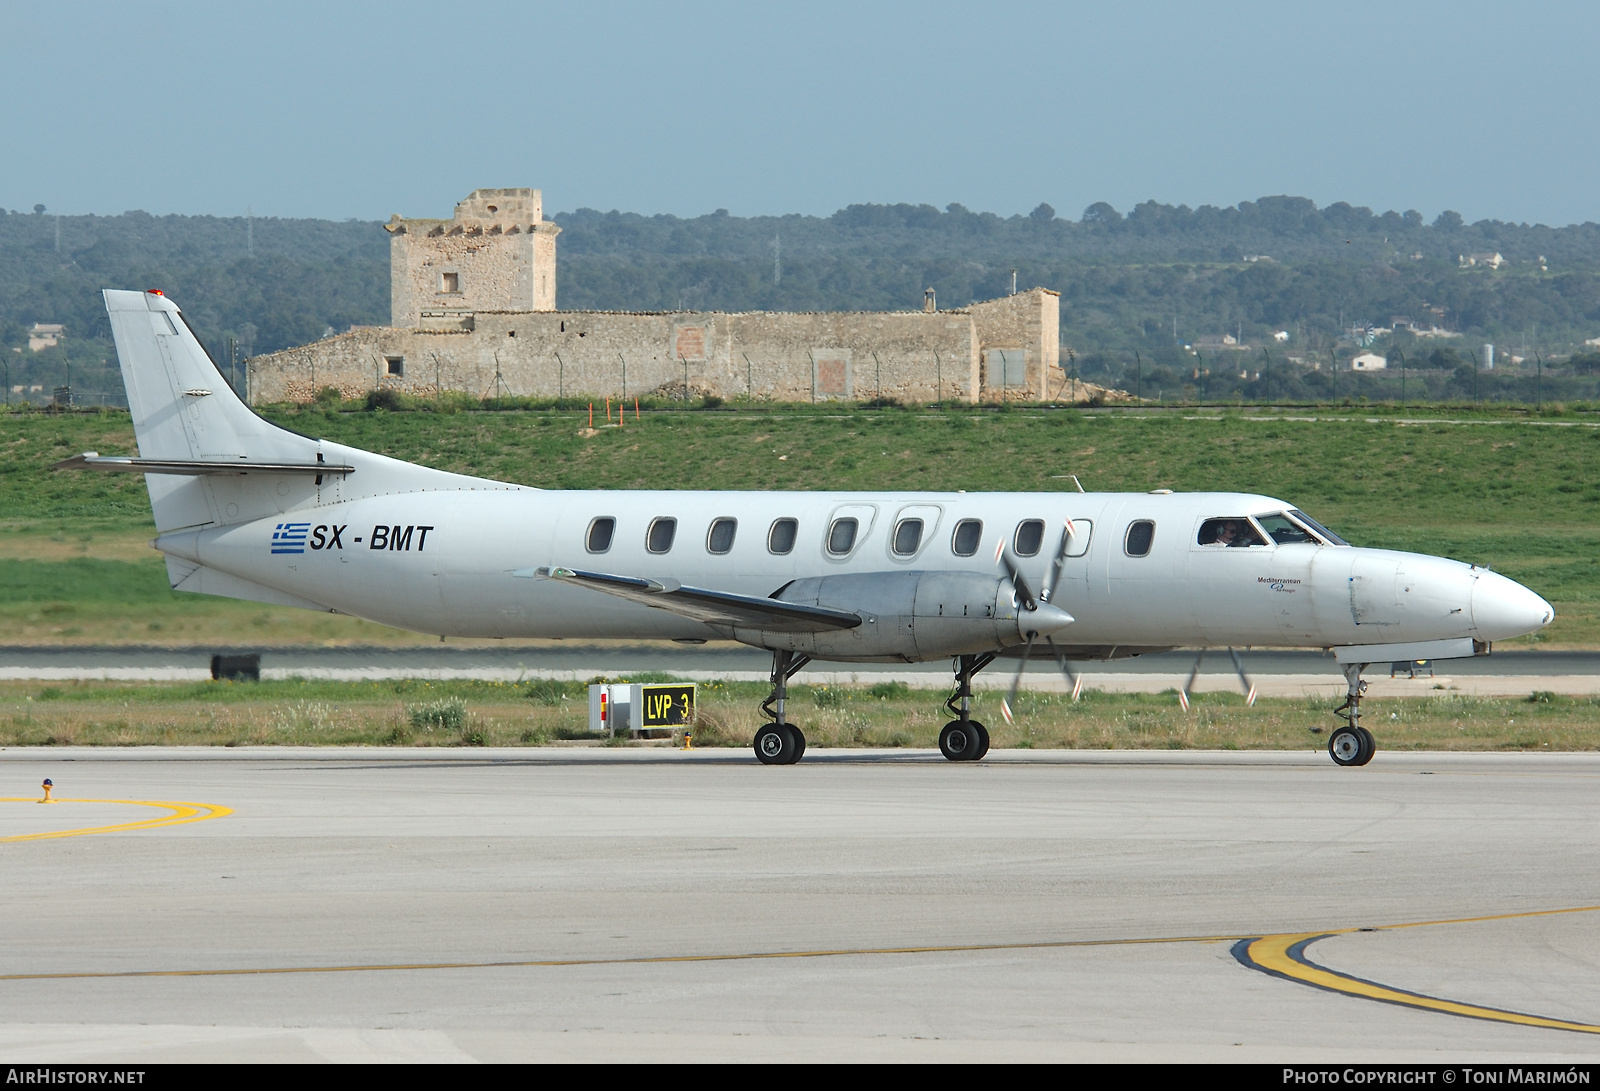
182 406
184 410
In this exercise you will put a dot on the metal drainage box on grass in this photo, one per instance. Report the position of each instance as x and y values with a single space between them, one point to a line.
636 707
236 668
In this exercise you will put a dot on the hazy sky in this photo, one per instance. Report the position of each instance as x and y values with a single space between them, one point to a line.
338 110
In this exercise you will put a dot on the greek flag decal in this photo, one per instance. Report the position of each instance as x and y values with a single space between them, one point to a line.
290 537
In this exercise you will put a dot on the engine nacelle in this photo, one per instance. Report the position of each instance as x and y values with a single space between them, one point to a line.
906 617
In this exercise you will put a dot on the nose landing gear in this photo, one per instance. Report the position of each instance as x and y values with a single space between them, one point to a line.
780 743
1352 744
965 739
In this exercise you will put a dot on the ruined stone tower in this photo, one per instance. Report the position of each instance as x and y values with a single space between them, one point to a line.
474 310
495 254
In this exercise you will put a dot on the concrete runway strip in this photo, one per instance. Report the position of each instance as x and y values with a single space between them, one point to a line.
647 904
1276 673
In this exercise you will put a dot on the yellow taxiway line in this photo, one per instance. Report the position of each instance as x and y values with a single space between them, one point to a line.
1285 956
180 813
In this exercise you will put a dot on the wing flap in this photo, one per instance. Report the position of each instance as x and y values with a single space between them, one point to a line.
709 607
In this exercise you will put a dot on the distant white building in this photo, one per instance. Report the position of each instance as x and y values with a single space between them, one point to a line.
1369 361
1281 335
45 335
1493 261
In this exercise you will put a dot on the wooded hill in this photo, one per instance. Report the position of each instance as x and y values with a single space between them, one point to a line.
1148 281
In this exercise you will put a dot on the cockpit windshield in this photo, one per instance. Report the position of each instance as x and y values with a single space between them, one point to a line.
1285 531
1317 528
1297 531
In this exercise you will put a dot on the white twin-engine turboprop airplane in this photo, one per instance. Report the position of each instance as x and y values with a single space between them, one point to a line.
249 510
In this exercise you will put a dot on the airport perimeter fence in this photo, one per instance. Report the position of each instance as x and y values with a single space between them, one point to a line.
1221 382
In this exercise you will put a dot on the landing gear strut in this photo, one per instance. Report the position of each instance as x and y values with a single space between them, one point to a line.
1352 744
781 743
965 739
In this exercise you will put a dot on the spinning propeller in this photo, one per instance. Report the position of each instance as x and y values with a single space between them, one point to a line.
1238 667
1040 618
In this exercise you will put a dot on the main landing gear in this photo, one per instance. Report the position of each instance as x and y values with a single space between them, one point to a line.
781 743
965 739
1352 744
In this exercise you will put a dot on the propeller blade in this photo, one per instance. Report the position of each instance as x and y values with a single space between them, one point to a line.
1010 700
1025 595
1067 534
1249 686
1066 670
1183 694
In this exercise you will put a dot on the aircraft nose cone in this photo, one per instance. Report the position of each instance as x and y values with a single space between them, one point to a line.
1047 620
1502 608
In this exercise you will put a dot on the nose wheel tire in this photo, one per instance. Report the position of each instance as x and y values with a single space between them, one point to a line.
967 741
1351 746
779 744
1369 747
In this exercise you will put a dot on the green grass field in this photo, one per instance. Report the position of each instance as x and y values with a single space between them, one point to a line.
416 713
1505 488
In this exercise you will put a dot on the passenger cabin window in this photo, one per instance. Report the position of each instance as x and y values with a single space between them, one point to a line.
1030 536
908 537
659 537
1284 531
600 532
964 542
1081 531
780 539
842 536
1230 533
1140 534
719 539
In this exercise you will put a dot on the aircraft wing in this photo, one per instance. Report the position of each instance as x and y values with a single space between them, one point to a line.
710 607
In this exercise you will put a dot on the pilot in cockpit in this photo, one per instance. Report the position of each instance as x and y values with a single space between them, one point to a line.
1229 533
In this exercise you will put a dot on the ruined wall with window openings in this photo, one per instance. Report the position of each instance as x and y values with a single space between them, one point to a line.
473 310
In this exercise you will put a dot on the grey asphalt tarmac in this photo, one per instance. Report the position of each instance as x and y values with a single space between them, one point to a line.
1272 673
650 904
722 657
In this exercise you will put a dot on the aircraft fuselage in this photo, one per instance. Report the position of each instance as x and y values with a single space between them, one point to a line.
448 563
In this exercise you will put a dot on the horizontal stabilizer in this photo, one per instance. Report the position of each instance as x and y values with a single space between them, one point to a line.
192 467
708 607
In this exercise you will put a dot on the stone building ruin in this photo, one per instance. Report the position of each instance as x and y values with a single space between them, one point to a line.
473 309
496 253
